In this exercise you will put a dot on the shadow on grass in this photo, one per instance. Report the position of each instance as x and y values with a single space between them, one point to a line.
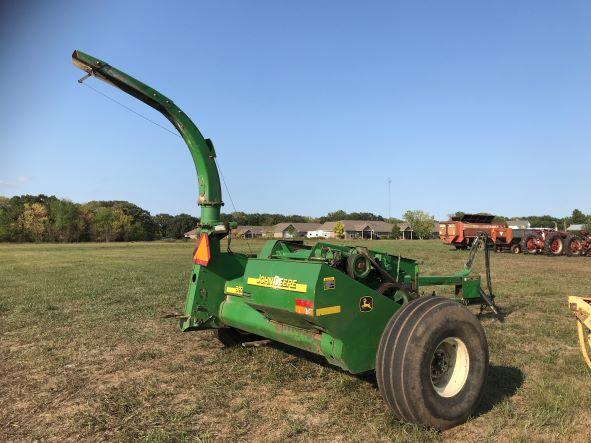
503 382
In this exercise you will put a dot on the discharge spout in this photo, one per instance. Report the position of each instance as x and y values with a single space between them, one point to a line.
202 150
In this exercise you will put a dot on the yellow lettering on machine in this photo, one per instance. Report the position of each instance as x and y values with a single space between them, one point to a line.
236 290
276 282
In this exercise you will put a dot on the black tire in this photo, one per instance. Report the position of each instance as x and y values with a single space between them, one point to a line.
554 244
516 248
408 369
230 337
568 246
523 244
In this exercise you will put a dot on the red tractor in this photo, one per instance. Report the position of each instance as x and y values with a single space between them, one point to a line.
541 240
552 242
578 244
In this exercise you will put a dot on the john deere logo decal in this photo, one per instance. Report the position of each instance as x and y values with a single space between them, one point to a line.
276 282
366 303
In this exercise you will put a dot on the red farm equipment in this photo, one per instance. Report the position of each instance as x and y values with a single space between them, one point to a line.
542 240
552 242
462 231
578 244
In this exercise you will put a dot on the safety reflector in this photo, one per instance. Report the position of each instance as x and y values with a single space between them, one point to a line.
202 254
305 307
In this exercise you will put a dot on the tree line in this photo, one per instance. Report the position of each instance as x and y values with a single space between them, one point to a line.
41 218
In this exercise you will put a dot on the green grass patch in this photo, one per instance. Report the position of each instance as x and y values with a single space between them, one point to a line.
85 354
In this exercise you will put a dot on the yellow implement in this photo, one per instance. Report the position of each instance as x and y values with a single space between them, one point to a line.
581 307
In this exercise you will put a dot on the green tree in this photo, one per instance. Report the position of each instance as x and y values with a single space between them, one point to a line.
123 226
420 222
333 216
180 224
396 232
32 222
66 223
5 220
456 215
129 221
102 224
141 225
578 218
339 230
162 222
543 221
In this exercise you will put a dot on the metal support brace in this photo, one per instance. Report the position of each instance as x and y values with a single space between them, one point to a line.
488 297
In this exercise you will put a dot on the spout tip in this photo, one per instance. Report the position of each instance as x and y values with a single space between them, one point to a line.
86 62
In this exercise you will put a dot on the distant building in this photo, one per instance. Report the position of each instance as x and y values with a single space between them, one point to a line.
354 229
249 231
575 228
361 229
406 232
319 233
192 233
291 230
518 224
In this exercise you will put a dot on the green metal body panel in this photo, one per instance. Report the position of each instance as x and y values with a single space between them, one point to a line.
292 293
350 336
467 286
206 290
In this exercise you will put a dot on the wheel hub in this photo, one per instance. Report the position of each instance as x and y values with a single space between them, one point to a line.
440 364
450 365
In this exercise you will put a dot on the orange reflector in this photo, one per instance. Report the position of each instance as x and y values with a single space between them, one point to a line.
304 307
202 254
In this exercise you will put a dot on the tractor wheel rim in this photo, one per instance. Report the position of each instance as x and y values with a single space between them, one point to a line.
531 245
575 246
556 246
450 365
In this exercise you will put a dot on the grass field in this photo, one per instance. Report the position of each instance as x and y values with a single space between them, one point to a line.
85 354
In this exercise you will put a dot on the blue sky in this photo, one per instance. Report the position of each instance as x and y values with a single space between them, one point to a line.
473 106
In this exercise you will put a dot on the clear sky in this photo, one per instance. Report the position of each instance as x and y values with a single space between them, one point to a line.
473 106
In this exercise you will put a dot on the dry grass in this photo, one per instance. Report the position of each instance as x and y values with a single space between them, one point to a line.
85 354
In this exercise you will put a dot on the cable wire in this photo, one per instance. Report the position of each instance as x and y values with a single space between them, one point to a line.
131 110
230 197
108 97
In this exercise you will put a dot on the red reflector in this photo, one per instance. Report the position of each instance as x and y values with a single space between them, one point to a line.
202 254
304 307
302 302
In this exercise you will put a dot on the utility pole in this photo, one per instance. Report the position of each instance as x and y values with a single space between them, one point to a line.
389 200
